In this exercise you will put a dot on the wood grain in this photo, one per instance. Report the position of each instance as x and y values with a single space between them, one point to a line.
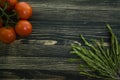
44 55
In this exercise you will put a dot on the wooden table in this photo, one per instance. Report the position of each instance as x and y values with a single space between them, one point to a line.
44 55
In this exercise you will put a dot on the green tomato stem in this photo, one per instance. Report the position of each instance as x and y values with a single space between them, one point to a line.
7 18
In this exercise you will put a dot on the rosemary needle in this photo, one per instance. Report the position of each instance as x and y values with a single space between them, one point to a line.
99 61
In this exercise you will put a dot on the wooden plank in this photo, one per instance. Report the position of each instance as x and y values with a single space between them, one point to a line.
35 79
65 20
76 11
41 74
56 25
26 50
41 63
28 75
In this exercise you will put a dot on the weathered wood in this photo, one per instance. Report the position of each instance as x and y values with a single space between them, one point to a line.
41 63
35 50
42 75
44 55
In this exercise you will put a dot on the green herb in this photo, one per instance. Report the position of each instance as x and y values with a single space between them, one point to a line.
99 61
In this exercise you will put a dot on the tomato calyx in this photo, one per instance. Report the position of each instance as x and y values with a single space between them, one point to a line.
9 18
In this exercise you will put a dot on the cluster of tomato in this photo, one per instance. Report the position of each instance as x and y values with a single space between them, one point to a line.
14 17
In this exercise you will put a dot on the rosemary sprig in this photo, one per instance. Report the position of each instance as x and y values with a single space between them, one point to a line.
99 61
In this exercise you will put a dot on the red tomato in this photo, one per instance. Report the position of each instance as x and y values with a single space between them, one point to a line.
1 23
11 3
23 28
2 3
24 10
7 35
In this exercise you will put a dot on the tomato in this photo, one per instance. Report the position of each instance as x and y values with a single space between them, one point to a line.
23 28
7 35
2 3
24 10
11 3
1 23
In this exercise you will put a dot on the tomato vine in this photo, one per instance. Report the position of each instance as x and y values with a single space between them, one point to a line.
10 16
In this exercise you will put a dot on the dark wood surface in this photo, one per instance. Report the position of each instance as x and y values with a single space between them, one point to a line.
44 55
